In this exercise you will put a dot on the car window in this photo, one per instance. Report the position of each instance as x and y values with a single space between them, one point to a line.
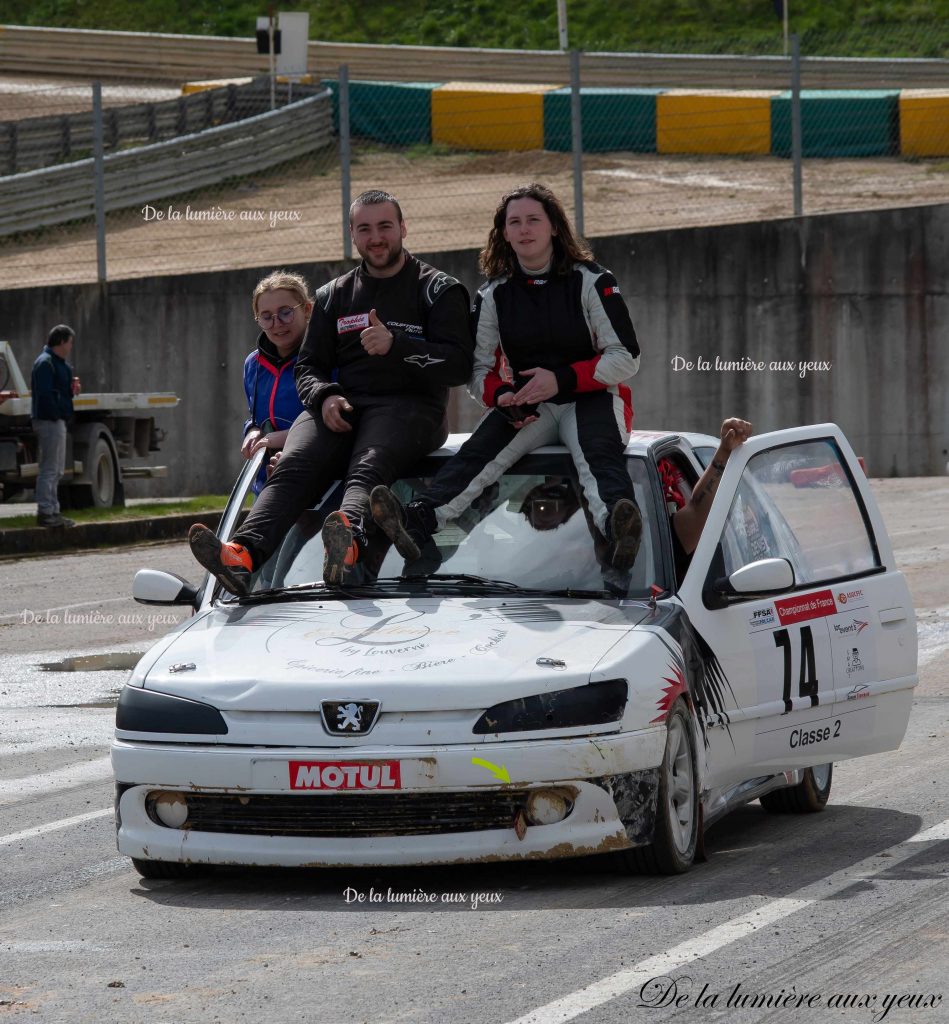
530 528
705 454
797 502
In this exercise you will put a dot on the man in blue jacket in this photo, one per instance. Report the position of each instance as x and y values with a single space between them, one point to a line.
53 386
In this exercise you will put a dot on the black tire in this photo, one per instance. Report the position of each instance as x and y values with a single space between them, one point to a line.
808 797
168 869
676 837
102 473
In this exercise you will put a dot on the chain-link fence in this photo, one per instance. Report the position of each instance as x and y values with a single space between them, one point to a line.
157 179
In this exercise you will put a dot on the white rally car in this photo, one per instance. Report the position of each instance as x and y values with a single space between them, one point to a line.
515 701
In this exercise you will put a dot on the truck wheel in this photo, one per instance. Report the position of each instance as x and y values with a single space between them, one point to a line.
97 485
102 472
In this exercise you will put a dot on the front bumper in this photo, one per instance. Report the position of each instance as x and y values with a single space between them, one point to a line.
591 770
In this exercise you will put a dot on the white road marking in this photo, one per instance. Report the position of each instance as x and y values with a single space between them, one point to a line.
53 826
633 978
14 790
934 834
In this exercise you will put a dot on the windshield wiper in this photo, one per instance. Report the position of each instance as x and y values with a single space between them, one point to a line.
305 592
464 583
462 580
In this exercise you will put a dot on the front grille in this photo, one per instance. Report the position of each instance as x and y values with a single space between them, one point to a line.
351 815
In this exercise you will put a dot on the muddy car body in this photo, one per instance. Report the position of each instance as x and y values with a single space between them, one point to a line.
517 702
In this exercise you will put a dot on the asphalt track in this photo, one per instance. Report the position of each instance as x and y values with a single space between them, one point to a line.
841 916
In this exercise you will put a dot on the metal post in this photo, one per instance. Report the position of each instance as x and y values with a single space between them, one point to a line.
796 147
576 124
344 157
784 4
271 58
562 23
99 175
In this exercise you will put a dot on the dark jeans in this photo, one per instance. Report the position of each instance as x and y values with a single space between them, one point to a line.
390 433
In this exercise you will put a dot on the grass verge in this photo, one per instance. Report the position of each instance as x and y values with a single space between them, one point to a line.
199 503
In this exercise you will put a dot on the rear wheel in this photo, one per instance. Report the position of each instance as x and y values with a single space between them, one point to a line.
168 869
807 797
677 813
102 472
99 486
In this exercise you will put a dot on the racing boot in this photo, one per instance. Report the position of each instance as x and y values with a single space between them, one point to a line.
409 529
229 563
341 547
625 533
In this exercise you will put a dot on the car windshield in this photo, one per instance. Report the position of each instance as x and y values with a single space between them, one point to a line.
529 530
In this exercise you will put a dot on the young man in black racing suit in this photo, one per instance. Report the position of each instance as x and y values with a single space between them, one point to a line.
398 333
558 321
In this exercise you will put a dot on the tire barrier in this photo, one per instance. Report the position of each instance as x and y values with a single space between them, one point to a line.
835 123
475 115
924 122
613 119
709 121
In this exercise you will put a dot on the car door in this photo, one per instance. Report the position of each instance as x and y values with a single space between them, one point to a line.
824 671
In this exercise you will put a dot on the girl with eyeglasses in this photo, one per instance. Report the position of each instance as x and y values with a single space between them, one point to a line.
282 305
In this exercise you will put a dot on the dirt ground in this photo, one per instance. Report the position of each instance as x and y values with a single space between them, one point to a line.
449 201
448 197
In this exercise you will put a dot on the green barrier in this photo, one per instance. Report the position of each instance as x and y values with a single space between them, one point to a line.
613 119
854 122
397 113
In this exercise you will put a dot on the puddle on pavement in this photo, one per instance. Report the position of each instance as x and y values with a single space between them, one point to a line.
107 661
114 661
108 701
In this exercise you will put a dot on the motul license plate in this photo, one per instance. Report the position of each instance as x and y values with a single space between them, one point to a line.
328 775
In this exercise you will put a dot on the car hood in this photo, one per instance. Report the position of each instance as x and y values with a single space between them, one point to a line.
415 654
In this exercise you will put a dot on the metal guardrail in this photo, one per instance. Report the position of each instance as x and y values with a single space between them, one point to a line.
35 142
56 195
144 56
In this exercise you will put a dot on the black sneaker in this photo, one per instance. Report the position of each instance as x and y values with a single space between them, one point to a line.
626 533
341 548
54 521
404 527
229 563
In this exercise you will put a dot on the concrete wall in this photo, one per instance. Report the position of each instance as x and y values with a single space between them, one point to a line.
866 292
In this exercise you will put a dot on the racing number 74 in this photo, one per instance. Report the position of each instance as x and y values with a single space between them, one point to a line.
807 678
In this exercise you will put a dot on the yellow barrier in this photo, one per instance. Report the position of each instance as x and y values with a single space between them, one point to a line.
475 115
218 83
924 122
710 121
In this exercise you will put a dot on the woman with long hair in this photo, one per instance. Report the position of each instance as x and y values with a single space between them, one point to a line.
554 348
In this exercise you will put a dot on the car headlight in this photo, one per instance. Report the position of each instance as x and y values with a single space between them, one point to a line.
593 704
146 711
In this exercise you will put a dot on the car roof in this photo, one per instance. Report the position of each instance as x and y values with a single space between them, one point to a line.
640 442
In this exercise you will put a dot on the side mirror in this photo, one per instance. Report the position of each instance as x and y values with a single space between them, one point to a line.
757 579
153 586
769 576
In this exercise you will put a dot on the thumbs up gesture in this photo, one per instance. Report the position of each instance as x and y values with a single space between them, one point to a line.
376 338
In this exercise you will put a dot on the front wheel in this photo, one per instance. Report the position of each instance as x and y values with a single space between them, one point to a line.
807 797
676 837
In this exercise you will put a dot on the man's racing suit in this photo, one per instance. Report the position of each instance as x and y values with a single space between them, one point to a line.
399 399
